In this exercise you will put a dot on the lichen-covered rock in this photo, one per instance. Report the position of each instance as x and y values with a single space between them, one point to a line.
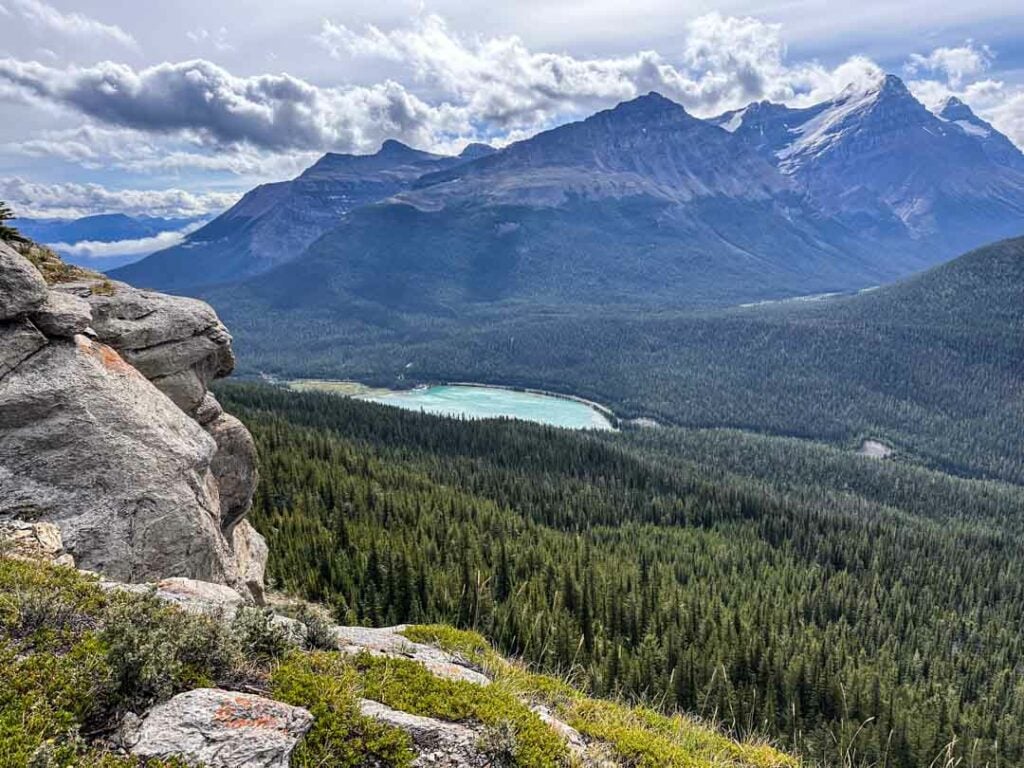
215 600
438 743
22 288
89 444
221 729
178 343
40 542
63 315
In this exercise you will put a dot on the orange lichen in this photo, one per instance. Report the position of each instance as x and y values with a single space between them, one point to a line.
107 357
246 713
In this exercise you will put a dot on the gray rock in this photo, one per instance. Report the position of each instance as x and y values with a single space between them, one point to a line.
387 641
176 342
91 445
234 466
19 340
40 542
216 600
22 288
222 729
62 314
250 551
438 743
208 410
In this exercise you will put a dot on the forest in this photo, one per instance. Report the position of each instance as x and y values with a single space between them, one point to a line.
859 611
932 365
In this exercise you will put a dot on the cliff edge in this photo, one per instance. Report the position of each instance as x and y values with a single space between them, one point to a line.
108 431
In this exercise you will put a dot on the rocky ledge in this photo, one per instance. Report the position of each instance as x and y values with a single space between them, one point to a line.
109 431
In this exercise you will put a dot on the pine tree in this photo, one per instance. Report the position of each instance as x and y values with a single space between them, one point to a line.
9 234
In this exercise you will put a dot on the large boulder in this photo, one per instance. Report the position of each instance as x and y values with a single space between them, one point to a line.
176 342
102 389
22 288
90 444
221 729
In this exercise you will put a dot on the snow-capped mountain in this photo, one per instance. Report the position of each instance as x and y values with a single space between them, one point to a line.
643 205
997 146
879 160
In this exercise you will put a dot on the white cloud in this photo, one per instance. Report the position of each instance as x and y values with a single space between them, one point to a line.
998 102
72 25
956 63
99 250
70 200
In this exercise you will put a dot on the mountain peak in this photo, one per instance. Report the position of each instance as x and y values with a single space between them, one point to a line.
476 150
650 103
395 148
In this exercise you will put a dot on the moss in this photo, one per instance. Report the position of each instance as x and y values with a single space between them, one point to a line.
327 684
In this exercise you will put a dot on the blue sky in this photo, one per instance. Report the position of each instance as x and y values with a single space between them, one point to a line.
175 108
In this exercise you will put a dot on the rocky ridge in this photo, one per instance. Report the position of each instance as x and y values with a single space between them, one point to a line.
109 431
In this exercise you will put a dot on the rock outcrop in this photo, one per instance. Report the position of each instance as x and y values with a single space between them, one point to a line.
221 729
101 385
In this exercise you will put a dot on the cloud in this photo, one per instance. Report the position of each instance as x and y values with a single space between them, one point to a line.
998 102
724 62
956 64
71 200
275 112
94 147
95 249
72 25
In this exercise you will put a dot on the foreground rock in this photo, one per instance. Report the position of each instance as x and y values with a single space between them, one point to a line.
39 542
438 743
22 288
388 641
221 729
99 383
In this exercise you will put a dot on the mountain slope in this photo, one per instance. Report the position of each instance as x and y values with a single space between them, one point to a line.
273 223
642 203
880 161
933 365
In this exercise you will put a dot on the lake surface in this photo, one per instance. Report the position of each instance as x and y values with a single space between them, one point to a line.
489 402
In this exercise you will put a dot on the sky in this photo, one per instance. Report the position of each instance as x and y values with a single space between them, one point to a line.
176 108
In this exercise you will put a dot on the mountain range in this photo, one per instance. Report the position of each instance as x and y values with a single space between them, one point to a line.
640 203
63 234
274 223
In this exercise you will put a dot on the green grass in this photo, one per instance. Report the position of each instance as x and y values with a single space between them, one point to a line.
637 735
73 658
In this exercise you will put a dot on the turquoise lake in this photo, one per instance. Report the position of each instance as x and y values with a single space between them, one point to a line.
489 403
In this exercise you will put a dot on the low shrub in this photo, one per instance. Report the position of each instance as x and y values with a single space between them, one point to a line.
327 685
156 650
260 637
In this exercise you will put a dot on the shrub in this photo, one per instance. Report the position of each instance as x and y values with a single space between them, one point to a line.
156 650
319 636
260 637
326 684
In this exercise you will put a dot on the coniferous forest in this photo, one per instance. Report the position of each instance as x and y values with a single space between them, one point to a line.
861 612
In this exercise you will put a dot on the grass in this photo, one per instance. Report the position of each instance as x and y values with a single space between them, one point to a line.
73 658
638 736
